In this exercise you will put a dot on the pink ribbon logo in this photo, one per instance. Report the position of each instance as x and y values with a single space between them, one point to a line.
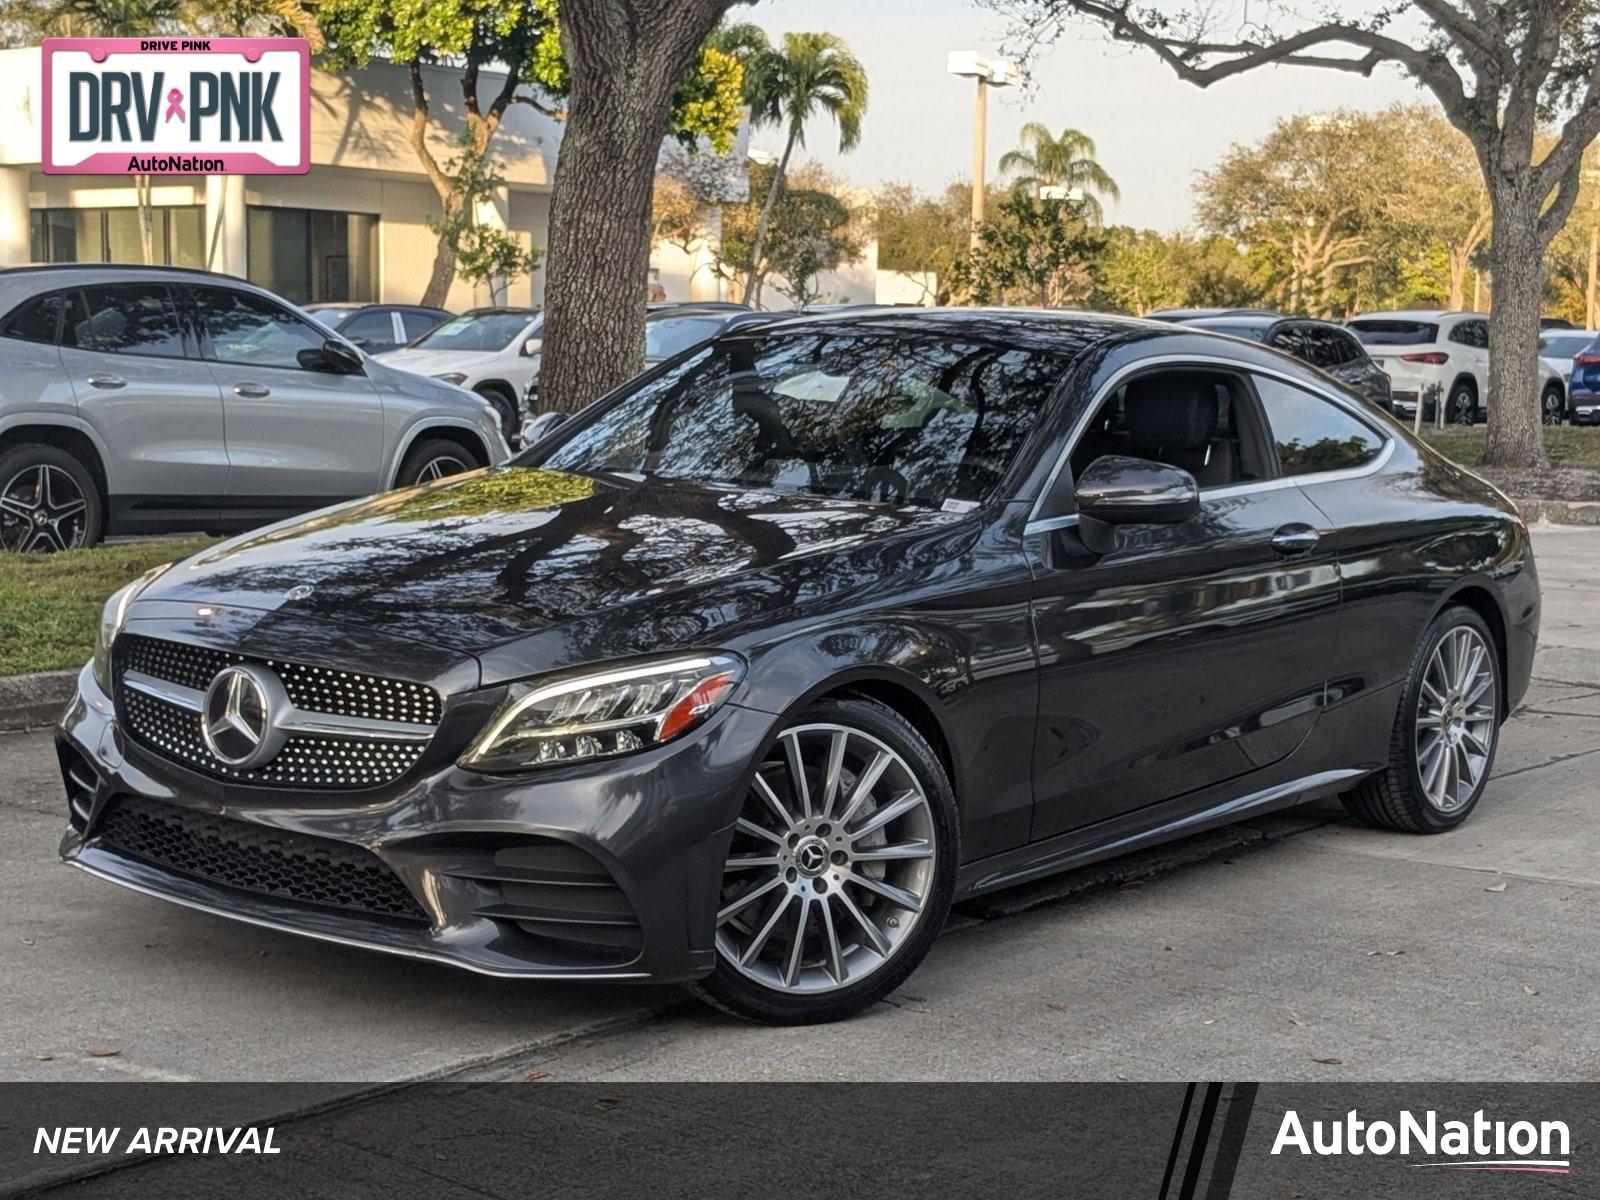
175 105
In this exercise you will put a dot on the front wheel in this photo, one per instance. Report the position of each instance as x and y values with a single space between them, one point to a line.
431 459
1445 735
841 869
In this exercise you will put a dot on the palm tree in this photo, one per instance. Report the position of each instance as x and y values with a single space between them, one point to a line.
806 74
1067 161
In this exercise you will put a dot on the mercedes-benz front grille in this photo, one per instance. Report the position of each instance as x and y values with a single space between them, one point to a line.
339 729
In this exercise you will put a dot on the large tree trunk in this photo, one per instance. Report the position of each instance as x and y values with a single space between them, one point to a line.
625 58
1516 438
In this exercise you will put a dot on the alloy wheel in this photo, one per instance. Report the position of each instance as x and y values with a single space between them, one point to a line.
1456 714
42 508
1462 405
440 467
1552 409
832 862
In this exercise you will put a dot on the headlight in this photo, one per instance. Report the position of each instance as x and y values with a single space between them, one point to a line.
111 618
456 378
603 714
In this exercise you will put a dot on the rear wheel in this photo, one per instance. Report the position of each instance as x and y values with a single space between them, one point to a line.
433 458
1551 404
840 872
1445 735
48 501
1462 408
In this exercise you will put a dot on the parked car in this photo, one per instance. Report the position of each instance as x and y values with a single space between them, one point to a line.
1326 346
378 328
1557 350
153 399
750 670
1583 390
491 351
668 329
1423 350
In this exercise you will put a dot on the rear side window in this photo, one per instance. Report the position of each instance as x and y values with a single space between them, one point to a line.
127 318
1375 331
39 320
1346 347
1311 434
1291 339
374 326
1471 333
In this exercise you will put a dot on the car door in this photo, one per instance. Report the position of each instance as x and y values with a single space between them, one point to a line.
1469 346
299 433
139 383
1191 654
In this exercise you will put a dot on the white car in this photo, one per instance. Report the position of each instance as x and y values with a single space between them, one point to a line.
1422 350
1557 349
491 351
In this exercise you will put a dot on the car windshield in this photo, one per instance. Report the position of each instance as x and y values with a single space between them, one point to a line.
665 336
875 417
1562 346
481 331
1375 331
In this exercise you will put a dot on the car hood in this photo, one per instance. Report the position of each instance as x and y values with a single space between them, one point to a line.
438 362
474 562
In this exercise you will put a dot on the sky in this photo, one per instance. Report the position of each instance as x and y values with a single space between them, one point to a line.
1153 130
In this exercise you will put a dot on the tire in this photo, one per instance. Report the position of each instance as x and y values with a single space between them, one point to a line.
1462 407
1551 405
1406 795
505 407
909 861
433 458
48 501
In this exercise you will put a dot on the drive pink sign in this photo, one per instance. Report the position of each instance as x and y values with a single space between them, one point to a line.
189 106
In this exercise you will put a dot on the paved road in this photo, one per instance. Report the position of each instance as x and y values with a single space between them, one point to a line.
1248 955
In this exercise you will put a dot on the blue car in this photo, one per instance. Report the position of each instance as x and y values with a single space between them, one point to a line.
1583 395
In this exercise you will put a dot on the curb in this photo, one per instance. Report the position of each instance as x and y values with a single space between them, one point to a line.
1558 512
27 701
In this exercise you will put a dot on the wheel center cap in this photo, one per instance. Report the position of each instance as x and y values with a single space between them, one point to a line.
811 857
40 517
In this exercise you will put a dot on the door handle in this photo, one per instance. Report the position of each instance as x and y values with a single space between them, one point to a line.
107 381
251 391
1294 539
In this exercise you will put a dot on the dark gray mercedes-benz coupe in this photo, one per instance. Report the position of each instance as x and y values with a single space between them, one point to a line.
746 673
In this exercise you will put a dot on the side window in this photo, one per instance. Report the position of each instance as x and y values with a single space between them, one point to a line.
1312 434
249 330
1321 350
1193 419
1290 339
1471 333
417 323
1349 350
38 320
374 326
127 318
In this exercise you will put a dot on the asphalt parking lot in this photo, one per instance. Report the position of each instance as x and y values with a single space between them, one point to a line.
1296 947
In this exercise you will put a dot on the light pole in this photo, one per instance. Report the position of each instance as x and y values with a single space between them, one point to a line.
990 73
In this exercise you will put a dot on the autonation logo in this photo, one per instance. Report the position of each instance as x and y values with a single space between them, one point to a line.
1476 1145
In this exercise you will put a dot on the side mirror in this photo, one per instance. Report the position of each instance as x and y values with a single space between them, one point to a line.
340 358
531 347
1114 490
541 426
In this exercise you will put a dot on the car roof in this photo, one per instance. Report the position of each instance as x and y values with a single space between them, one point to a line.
500 310
1569 332
1418 314
1196 314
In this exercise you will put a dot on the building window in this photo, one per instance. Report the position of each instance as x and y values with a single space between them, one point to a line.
311 256
65 235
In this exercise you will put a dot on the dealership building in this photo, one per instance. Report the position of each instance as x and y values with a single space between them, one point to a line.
353 228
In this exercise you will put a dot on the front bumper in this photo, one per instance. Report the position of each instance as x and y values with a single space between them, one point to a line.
606 871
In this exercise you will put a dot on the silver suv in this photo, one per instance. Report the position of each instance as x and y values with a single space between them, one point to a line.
152 400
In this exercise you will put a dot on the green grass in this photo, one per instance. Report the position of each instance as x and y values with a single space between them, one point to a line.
1567 445
50 603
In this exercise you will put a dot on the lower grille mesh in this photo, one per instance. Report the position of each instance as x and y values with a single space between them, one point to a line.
253 858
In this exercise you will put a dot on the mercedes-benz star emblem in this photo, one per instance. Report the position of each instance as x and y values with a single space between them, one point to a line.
239 716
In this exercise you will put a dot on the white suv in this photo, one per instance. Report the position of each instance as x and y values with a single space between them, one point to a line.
1424 349
491 351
